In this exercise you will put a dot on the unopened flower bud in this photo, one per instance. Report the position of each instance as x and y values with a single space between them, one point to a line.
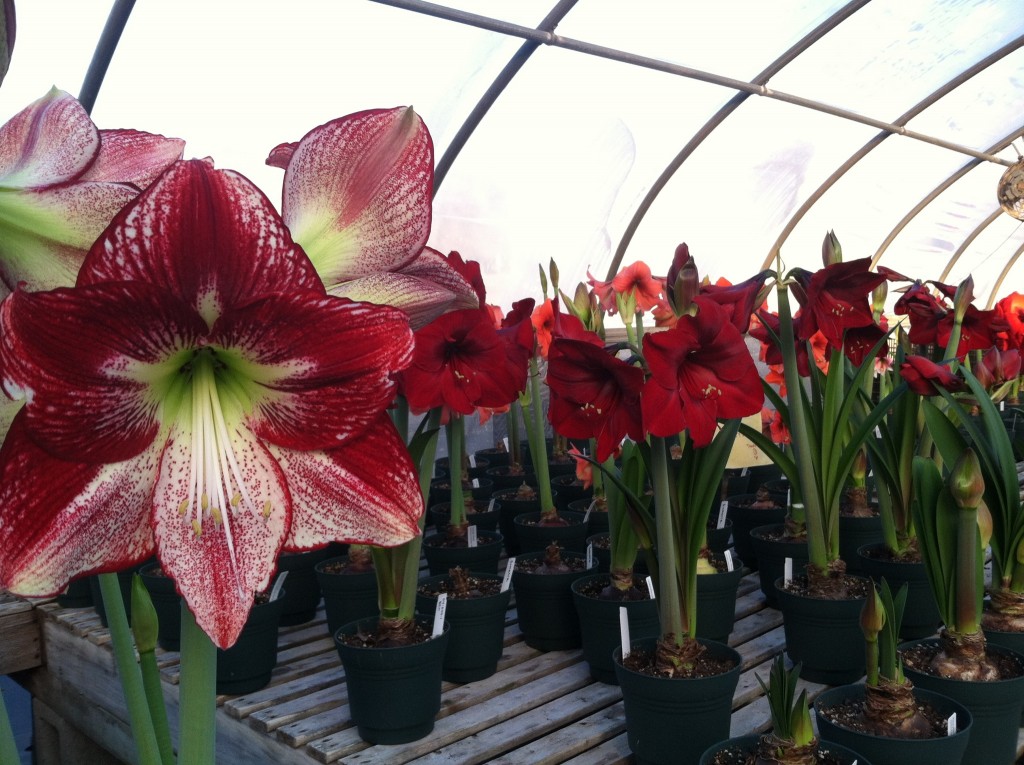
872 616
553 270
963 298
878 296
683 281
966 484
144 620
984 524
831 250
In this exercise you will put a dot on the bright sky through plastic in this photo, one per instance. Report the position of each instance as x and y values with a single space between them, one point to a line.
559 165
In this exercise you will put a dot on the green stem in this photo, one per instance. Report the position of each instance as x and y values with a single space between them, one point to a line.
967 606
514 447
128 669
535 433
455 431
400 416
8 746
198 679
157 709
668 586
817 549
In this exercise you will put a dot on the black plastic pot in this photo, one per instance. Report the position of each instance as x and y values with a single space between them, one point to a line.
996 707
77 595
597 521
744 518
347 596
477 625
921 614
440 490
301 587
503 479
495 456
511 506
771 555
484 518
394 694
599 624
718 538
534 538
748 744
570 489
547 613
824 635
247 665
716 604
673 720
882 750
483 557
853 534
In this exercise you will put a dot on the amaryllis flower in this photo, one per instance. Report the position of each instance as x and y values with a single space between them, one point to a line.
357 197
584 468
998 367
460 363
633 281
978 331
199 396
701 371
738 300
834 299
63 181
593 394
1011 310
925 377
543 323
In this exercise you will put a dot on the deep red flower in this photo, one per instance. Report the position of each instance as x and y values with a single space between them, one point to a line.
998 367
701 371
835 299
925 377
1011 310
924 310
593 394
979 330
738 300
459 362
860 341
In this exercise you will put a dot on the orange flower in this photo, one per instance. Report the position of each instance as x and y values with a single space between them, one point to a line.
584 468
543 319
1011 310
634 280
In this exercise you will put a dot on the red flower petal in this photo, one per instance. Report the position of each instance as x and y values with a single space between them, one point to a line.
222 554
324 364
229 248
365 492
132 156
65 519
357 193
50 141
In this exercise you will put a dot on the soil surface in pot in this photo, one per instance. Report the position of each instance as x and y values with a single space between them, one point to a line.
601 589
850 588
919 658
704 665
551 563
850 715
362 639
883 553
461 585
557 520
740 756
345 567
462 541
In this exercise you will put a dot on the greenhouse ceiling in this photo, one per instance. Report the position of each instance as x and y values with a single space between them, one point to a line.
599 132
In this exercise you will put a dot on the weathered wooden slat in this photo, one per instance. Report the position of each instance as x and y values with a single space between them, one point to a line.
20 635
570 740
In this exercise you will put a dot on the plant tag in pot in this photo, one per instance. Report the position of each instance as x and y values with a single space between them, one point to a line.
505 441
490 505
472 461
728 561
722 510
278 584
624 630
787 576
650 587
951 725
590 555
471 535
442 606
744 472
509 568
476 483
590 507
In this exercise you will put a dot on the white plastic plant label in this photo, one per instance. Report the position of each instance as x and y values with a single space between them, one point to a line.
744 472
471 539
476 483
650 587
586 515
509 568
472 461
275 593
490 505
624 630
505 441
787 576
442 606
722 510
729 565
590 555
951 725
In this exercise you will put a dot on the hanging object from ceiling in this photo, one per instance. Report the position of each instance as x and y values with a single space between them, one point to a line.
1011 190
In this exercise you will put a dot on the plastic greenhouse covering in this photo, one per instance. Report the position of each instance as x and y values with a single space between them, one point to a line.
741 127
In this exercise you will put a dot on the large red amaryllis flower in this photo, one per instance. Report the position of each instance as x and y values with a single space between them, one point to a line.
593 393
357 197
200 396
701 371
460 362
835 299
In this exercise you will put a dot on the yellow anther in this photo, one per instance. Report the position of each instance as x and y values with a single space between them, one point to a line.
183 507
196 527
236 500
215 512
205 502
266 509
